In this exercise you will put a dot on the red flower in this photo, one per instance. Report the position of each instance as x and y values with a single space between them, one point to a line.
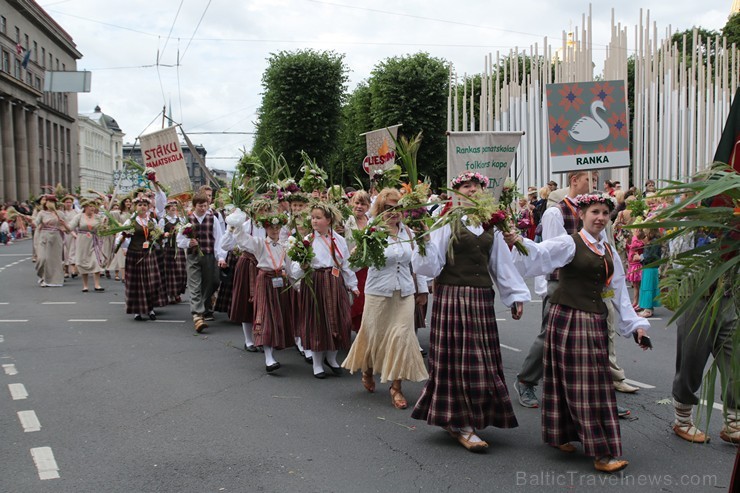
306 243
497 217
151 177
373 230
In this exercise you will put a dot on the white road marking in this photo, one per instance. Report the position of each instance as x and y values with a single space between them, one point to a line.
715 405
535 301
87 320
59 303
170 321
46 465
2 338
639 384
10 369
14 255
29 421
17 391
4 303
11 321
510 348
654 318
116 302
500 320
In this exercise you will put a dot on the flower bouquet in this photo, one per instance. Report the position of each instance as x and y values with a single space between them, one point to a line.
371 242
386 178
314 178
187 230
150 175
415 214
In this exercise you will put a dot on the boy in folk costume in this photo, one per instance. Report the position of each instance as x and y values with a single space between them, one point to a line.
272 329
466 389
175 268
203 259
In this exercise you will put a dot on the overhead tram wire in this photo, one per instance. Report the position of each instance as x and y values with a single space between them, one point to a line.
172 27
196 30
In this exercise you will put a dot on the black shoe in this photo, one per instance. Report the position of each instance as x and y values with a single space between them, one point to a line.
423 351
138 318
250 349
260 349
99 289
208 316
336 370
321 375
152 316
308 359
272 367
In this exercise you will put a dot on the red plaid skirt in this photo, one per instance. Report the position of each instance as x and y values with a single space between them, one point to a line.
242 289
299 302
578 397
226 288
272 313
466 385
358 304
175 271
328 321
144 289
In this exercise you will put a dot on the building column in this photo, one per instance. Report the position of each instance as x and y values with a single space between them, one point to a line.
44 154
2 152
9 190
21 153
34 166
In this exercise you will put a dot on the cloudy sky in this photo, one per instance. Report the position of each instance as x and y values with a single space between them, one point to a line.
223 46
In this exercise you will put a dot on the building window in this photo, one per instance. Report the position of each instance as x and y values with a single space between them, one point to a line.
17 69
35 52
17 35
51 61
57 65
29 78
43 57
37 83
6 62
28 42
3 24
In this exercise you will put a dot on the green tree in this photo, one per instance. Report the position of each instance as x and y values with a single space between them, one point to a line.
732 30
706 39
356 119
301 105
412 90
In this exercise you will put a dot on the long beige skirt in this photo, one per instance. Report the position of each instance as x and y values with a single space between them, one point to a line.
386 341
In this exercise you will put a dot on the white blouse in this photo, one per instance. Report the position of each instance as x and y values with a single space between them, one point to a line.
323 258
270 254
396 274
557 252
509 282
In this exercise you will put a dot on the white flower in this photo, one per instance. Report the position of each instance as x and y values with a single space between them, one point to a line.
292 241
275 221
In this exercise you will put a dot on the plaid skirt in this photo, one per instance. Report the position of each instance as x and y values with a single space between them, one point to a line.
466 385
328 321
299 302
175 271
578 397
226 288
272 313
358 304
242 289
144 288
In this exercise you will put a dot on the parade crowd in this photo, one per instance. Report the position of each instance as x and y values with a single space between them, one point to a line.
282 269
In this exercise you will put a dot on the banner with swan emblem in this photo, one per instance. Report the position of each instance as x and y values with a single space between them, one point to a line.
588 125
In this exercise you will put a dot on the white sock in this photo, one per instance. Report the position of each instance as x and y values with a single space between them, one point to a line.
269 360
331 358
298 343
309 353
318 362
473 438
247 328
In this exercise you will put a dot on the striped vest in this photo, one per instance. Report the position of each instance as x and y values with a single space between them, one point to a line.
203 232
572 224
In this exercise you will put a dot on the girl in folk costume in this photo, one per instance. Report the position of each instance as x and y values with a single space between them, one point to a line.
118 260
387 343
300 298
89 250
271 328
466 389
245 272
175 270
328 322
634 258
143 283
360 205
578 398
50 228
68 213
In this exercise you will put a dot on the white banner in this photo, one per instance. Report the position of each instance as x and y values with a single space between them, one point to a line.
126 181
161 151
488 153
381 149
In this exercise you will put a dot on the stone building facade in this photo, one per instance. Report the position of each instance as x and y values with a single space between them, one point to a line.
101 150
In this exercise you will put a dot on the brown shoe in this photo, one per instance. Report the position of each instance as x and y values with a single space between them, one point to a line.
200 324
690 433
368 381
465 439
610 465
731 432
568 448
397 398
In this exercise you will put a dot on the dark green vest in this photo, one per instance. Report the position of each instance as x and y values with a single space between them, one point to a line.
582 280
469 265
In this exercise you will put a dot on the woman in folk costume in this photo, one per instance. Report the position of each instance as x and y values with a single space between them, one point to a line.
328 322
578 397
360 205
175 270
118 260
50 228
466 389
144 288
387 343
245 271
271 328
68 213
89 250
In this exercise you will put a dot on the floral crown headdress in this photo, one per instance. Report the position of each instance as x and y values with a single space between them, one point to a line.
585 200
298 197
329 210
273 219
469 176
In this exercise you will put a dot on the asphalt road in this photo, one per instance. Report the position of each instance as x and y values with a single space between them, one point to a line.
153 407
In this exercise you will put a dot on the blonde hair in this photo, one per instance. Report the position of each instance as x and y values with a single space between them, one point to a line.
360 196
384 196
544 192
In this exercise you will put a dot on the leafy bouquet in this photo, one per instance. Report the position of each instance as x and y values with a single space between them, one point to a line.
415 215
113 227
187 230
371 243
638 207
240 192
481 209
314 178
388 178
